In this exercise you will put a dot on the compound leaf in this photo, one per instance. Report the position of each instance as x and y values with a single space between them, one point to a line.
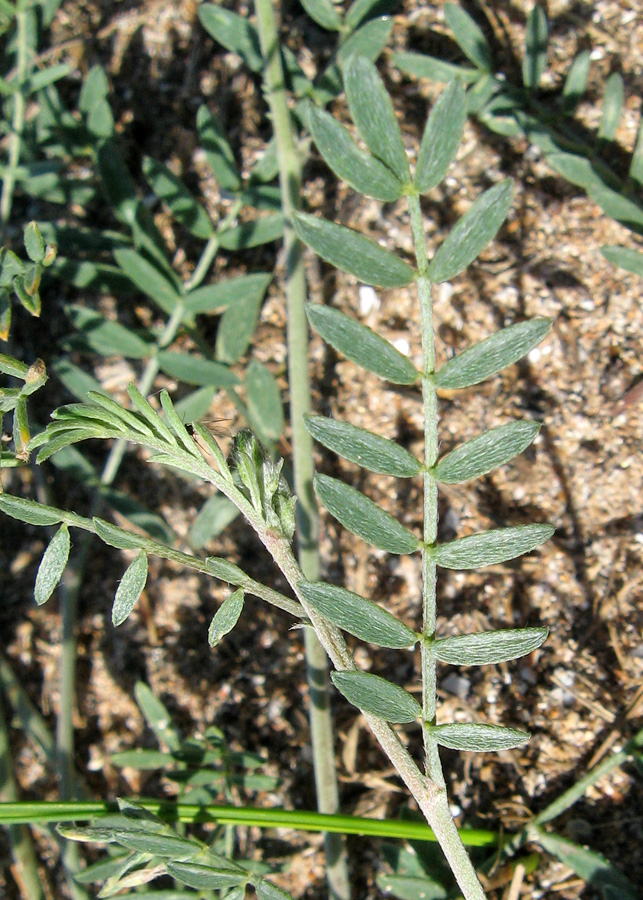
373 113
363 517
493 354
226 617
357 615
472 232
360 170
491 547
486 452
52 565
361 344
488 647
468 36
441 138
377 696
130 589
350 251
478 738
363 447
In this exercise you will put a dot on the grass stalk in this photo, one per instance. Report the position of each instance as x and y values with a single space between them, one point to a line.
53 812
299 385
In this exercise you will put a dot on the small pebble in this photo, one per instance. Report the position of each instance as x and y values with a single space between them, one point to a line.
457 685
368 300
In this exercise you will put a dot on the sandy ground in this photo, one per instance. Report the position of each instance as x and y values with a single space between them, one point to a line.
579 695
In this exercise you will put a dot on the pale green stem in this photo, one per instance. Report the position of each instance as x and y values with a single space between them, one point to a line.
17 123
429 662
212 248
298 379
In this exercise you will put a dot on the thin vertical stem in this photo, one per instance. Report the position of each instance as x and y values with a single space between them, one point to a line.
429 580
298 378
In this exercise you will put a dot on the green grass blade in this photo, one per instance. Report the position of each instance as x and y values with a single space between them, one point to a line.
41 812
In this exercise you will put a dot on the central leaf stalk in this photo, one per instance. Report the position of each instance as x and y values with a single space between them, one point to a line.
430 530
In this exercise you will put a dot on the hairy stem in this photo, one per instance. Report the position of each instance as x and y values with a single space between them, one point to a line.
321 723
429 396
452 845
430 796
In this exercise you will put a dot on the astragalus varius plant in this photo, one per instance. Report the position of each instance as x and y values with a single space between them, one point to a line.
255 484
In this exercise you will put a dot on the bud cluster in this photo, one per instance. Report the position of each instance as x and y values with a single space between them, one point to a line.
264 483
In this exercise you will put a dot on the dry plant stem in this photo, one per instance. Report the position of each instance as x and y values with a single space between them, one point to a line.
321 723
17 122
430 797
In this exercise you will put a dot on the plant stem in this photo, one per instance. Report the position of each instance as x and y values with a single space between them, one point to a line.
431 797
429 580
451 844
17 121
298 379
41 812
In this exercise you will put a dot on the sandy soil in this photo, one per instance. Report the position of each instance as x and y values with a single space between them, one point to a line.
580 695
